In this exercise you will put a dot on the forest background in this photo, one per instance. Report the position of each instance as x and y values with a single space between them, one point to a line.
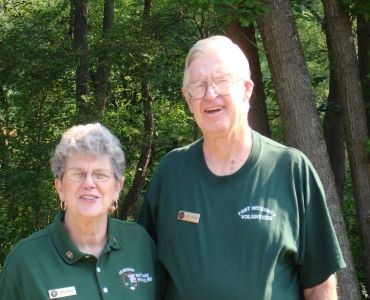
120 62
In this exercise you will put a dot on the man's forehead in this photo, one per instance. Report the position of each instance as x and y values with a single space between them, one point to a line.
219 70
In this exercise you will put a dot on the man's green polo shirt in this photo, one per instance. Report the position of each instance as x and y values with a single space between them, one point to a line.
47 265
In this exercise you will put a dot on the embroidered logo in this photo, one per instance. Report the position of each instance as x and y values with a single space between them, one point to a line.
132 279
257 212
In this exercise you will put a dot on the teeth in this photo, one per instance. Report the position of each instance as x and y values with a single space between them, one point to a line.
88 197
213 109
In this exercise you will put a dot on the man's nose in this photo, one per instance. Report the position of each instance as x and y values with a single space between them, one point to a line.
210 92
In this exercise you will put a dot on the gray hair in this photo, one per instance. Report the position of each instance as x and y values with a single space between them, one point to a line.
226 47
90 138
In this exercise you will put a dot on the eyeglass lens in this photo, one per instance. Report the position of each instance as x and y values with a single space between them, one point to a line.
81 175
198 90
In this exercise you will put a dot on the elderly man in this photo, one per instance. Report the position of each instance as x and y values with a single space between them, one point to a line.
236 215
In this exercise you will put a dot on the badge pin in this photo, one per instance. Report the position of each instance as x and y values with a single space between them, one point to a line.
62 292
188 217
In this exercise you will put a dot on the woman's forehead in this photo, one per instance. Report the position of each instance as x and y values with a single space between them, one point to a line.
76 158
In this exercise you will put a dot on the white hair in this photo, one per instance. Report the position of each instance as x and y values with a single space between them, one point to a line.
90 138
226 48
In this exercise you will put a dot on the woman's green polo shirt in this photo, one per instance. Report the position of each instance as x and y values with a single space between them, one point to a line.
47 265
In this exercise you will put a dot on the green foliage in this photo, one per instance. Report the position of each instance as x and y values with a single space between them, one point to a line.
207 13
34 77
37 66
355 7
367 145
310 19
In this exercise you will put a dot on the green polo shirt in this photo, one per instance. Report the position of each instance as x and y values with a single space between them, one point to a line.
261 233
47 265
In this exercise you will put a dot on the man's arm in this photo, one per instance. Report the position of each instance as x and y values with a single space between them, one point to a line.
324 291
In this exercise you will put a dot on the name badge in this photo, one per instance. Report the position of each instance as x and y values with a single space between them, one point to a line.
62 292
188 217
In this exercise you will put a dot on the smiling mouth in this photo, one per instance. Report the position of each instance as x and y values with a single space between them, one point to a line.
88 197
213 109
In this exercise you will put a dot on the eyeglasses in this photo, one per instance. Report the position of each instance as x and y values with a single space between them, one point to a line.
222 87
99 175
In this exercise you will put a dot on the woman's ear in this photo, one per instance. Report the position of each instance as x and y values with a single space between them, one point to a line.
120 183
59 187
118 187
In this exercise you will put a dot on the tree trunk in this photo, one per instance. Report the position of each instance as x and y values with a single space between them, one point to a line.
104 68
333 126
300 119
350 94
334 136
333 120
146 150
84 108
363 36
246 39
145 156
71 19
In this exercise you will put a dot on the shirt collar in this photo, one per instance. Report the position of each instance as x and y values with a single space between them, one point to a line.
68 250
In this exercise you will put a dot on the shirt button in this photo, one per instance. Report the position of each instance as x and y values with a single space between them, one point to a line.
69 255
105 290
98 269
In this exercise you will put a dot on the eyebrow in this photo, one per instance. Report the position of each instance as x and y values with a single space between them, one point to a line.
217 77
222 72
82 169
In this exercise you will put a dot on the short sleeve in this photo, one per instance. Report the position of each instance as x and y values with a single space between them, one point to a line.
320 254
8 287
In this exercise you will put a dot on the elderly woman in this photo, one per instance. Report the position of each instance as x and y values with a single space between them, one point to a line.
236 215
84 253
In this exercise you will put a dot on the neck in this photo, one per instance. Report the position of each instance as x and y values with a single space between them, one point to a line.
225 155
90 236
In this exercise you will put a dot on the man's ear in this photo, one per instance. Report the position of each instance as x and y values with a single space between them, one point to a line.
183 91
248 84
186 98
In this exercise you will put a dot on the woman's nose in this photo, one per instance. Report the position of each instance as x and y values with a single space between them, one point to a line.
89 180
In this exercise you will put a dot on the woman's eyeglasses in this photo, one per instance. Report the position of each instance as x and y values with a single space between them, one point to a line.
99 175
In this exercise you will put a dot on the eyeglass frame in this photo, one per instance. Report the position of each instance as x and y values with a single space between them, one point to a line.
212 83
93 175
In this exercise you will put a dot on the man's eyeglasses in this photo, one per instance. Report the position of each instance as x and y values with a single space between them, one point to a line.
222 87
99 175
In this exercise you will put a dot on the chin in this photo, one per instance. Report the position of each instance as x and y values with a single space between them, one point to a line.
215 130
93 213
